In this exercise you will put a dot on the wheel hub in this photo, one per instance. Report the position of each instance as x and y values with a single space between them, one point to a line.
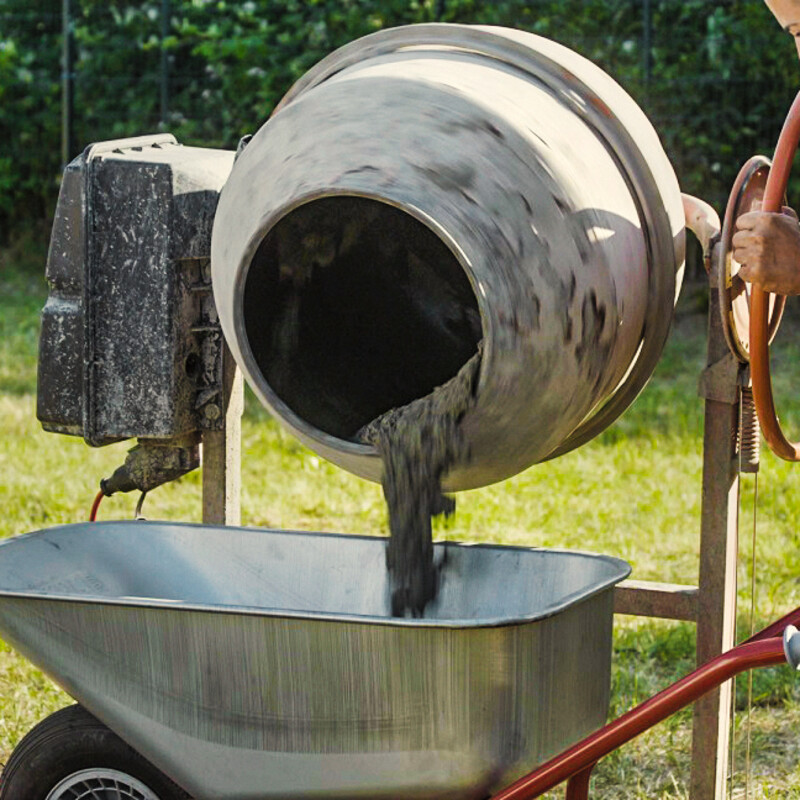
100 784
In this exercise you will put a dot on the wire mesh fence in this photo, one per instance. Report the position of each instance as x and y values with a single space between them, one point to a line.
715 78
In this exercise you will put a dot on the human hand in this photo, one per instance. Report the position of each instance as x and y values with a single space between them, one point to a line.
767 246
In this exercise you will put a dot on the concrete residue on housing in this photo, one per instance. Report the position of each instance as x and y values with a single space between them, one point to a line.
418 443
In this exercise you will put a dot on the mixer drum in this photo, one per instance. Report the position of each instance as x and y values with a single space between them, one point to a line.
430 187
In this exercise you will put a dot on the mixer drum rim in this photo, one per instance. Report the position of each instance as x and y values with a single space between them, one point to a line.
508 46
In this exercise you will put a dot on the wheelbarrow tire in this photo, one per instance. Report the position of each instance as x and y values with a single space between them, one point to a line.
71 741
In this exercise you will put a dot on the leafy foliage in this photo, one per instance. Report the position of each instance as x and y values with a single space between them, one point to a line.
715 77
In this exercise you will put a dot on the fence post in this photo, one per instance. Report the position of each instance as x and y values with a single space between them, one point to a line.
647 42
67 85
165 14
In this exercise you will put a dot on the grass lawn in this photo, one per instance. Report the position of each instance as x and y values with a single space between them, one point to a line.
634 492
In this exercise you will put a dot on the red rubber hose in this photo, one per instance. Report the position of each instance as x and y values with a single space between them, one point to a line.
95 506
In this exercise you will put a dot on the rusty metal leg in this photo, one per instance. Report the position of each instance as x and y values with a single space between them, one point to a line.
716 618
578 785
222 452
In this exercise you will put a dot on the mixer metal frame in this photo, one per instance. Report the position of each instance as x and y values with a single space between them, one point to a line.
222 451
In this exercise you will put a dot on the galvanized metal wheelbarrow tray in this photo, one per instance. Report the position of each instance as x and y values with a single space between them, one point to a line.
257 664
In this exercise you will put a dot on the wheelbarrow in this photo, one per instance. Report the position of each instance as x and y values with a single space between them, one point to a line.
249 663
227 663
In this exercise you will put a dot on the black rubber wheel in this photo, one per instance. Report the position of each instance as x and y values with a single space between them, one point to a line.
71 754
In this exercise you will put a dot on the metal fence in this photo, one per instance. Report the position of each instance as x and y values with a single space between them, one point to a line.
700 84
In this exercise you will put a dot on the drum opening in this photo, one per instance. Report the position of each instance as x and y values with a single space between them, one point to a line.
353 307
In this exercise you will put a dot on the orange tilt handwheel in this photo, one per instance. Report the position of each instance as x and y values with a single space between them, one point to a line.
746 195
759 301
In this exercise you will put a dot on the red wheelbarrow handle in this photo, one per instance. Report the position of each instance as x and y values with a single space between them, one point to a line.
576 763
774 192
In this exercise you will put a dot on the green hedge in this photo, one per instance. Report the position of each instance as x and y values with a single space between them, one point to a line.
717 82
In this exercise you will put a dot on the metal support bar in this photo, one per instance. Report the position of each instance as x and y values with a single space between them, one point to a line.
713 603
651 599
578 785
716 611
222 452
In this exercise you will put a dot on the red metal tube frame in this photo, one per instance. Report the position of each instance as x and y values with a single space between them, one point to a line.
777 628
575 764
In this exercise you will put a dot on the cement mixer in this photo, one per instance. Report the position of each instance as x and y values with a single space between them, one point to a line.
427 188
420 191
